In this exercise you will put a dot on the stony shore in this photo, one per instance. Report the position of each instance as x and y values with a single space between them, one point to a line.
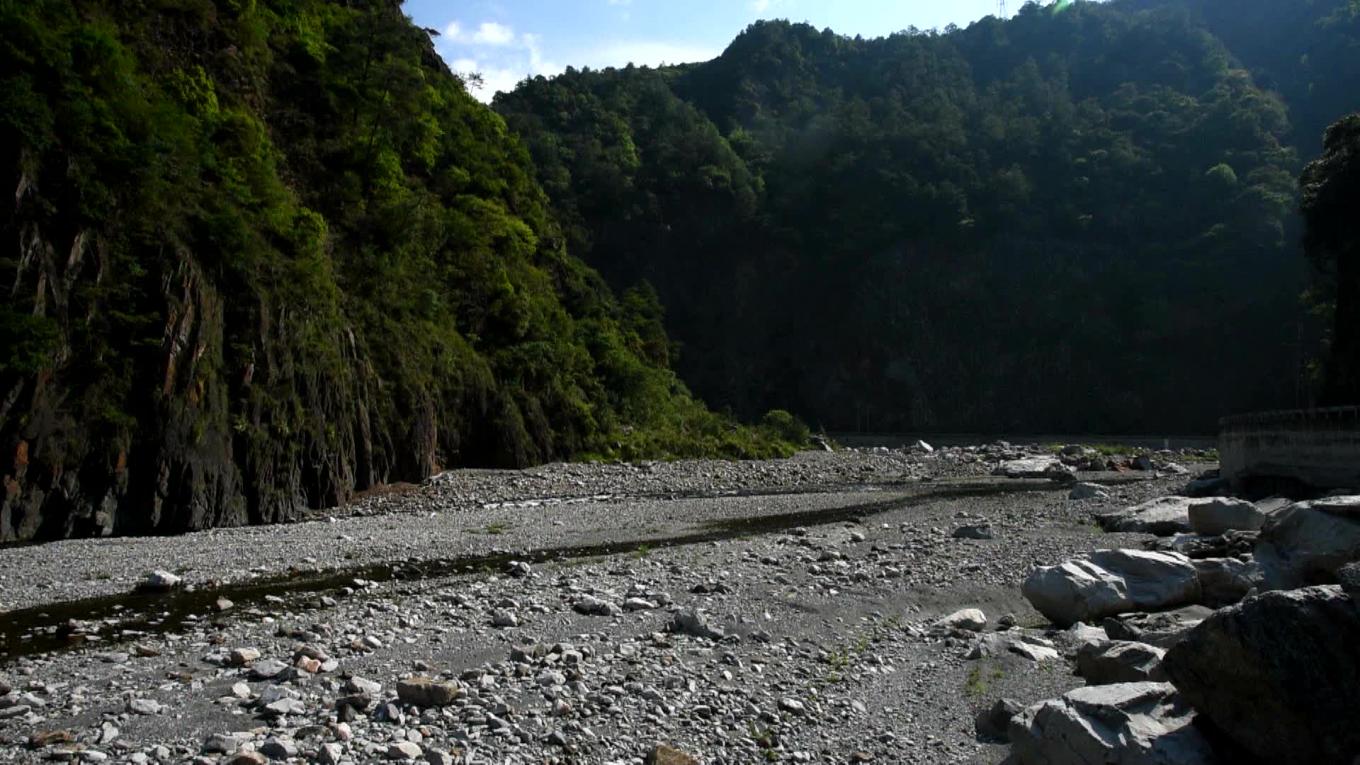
793 623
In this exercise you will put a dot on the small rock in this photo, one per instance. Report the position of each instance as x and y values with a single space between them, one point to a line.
593 606
1085 491
50 738
404 750
502 618
279 748
969 619
330 754
143 707
427 692
267 669
694 623
240 657
663 754
436 757
159 581
978 531
220 743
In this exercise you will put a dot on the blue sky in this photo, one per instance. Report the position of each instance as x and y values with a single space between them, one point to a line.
507 40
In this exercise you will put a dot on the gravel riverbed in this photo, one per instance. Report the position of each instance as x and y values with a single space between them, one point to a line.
740 612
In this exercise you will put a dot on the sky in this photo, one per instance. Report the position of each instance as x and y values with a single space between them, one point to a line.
508 40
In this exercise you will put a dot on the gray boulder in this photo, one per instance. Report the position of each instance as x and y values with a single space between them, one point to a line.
998 644
1120 662
1123 724
1279 674
1213 516
993 723
1224 581
1163 517
1164 629
1309 542
1109 582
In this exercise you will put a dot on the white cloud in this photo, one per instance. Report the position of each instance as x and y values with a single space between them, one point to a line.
491 33
453 31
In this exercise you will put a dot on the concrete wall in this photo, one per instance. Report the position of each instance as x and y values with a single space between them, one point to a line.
1320 447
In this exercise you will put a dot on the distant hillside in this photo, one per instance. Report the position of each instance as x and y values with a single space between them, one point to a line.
1078 221
265 253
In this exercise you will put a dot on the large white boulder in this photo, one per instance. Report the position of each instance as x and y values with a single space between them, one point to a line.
1121 724
1212 516
1109 582
1309 542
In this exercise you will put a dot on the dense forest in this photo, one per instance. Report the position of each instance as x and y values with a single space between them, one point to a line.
1083 219
265 253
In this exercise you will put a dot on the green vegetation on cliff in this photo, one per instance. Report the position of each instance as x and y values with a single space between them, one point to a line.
1066 222
1331 212
264 253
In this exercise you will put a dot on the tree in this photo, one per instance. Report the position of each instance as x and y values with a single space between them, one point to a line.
1331 213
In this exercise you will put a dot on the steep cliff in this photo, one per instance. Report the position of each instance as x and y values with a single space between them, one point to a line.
265 253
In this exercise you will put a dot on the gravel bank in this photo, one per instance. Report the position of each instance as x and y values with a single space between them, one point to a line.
816 644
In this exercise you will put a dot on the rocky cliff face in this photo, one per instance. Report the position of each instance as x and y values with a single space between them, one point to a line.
263 254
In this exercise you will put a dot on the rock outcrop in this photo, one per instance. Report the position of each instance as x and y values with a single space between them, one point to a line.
1278 674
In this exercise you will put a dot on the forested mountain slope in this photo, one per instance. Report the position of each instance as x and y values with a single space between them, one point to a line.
265 253
1078 221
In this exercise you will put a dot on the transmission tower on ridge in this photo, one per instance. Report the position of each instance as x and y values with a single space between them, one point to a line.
1001 10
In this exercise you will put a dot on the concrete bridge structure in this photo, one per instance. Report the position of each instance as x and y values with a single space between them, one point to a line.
1316 447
